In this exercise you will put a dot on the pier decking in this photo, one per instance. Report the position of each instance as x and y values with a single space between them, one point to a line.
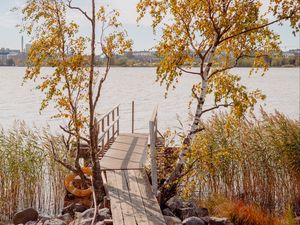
131 196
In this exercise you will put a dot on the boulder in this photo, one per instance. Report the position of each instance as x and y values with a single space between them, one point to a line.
86 221
104 214
74 208
174 203
54 222
167 212
25 216
193 221
40 221
67 218
171 220
202 212
184 213
219 221
87 214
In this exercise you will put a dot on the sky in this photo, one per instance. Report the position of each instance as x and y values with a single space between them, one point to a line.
140 33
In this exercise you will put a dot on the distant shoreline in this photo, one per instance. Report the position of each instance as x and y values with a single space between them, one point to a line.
144 66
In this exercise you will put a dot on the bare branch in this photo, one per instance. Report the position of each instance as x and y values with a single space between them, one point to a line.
187 71
216 107
258 27
235 63
69 2
66 165
72 133
102 81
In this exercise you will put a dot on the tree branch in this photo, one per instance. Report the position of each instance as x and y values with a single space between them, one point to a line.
102 81
257 28
66 165
216 107
187 71
69 2
71 133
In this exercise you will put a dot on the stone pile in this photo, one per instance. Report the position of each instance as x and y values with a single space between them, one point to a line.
179 212
71 215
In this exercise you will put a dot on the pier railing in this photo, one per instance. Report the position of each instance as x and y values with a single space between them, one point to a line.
109 125
153 137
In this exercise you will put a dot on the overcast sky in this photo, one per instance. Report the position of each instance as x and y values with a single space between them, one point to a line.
141 34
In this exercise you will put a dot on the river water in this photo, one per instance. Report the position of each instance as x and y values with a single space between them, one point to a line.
21 102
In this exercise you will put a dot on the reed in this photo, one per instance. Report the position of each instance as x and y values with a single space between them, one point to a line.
255 160
28 175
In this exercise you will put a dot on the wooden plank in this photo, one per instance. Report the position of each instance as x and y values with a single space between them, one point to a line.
114 198
129 151
151 205
136 198
126 206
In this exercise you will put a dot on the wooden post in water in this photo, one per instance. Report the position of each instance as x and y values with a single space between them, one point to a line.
132 117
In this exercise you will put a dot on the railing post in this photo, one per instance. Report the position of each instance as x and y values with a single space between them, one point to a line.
118 123
153 153
132 117
113 120
108 128
102 128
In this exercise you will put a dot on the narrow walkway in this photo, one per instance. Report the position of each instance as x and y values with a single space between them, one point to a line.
131 198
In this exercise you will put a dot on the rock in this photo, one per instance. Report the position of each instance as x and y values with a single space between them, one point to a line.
193 210
75 222
86 221
104 213
184 213
167 212
171 220
202 212
100 223
193 221
74 208
219 221
87 214
40 221
206 219
174 203
55 222
67 218
25 216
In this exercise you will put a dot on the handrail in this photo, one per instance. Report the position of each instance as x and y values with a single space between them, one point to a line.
109 121
109 111
153 136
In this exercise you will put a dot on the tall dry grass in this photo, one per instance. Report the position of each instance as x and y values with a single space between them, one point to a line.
253 160
28 175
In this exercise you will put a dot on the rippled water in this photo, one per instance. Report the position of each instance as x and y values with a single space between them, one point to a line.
17 102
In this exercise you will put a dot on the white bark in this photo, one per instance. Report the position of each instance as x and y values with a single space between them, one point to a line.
195 126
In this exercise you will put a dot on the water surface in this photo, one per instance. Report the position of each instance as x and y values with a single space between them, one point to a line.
21 103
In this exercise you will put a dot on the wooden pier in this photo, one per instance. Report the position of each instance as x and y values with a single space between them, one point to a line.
132 198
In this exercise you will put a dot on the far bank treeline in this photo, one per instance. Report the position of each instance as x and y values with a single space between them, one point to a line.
151 59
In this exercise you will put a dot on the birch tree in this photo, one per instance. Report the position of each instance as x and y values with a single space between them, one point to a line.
214 35
73 86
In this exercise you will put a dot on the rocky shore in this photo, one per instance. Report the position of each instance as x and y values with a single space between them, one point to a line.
176 212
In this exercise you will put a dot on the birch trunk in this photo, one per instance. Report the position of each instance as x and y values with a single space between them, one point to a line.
195 125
